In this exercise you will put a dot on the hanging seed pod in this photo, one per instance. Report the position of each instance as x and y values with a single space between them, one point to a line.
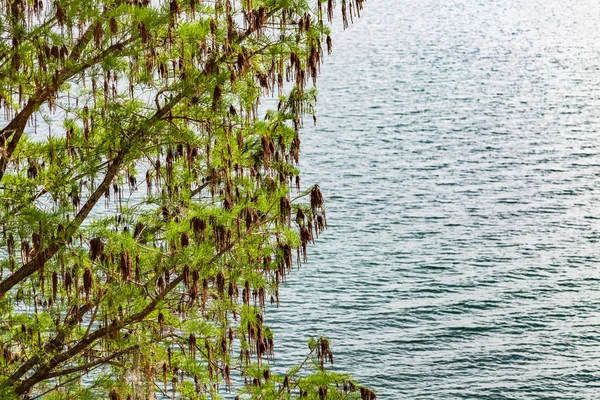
316 199
194 290
267 147
137 232
143 32
310 230
98 33
60 15
287 255
216 97
267 374
32 171
25 251
64 53
198 226
250 216
321 223
96 249
7 355
192 344
230 291
88 281
185 239
132 182
220 281
213 27
322 393
114 394
330 9
295 150
126 266
344 14
174 10
227 373
300 216
54 285
224 349
186 276
138 272
246 293
261 297
166 213
68 281
367 394
285 209
113 25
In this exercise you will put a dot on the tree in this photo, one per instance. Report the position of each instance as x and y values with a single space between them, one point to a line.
149 207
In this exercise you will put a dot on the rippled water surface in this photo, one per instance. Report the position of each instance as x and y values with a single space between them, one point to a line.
457 146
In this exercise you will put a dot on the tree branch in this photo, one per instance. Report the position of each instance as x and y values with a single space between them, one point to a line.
87 366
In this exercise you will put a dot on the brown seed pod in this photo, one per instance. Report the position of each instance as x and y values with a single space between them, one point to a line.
98 33
174 9
113 25
32 171
186 276
316 199
300 216
68 281
96 249
185 239
192 344
321 223
230 291
54 285
285 209
139 228
88 281
250 217
7 355
143 32
322 393
367 394
60 15
166 213
126 266
220 281
217 93
138 272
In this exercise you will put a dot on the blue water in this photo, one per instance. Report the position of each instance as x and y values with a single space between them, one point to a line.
457 148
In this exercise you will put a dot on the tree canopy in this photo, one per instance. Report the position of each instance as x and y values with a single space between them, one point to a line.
150 205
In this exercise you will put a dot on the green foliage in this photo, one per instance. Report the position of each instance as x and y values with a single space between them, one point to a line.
150 208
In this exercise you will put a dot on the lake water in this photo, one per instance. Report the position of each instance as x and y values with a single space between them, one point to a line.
457 147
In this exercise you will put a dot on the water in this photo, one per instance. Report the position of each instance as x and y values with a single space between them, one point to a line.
457 147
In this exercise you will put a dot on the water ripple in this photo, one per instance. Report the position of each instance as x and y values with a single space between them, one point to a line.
458 150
